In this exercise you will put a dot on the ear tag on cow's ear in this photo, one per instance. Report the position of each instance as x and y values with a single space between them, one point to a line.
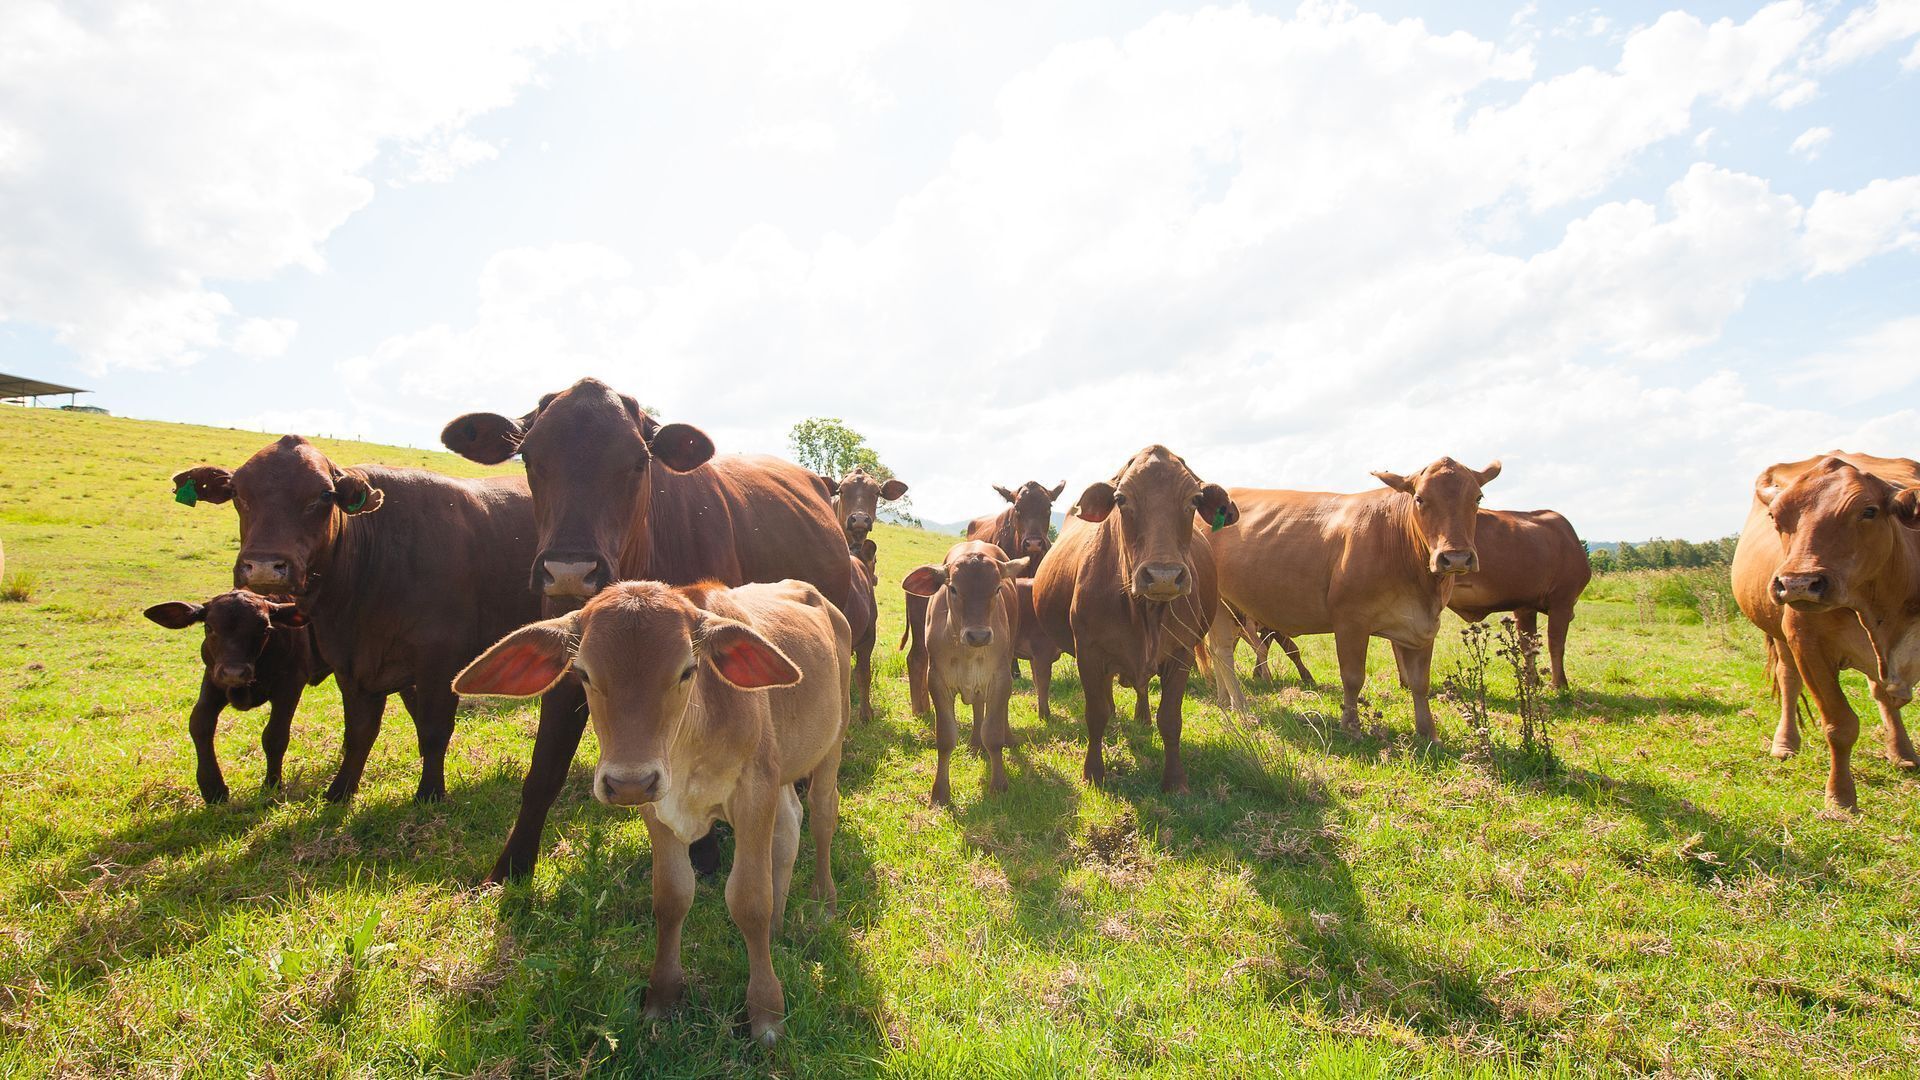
186 494
358 502
1219 519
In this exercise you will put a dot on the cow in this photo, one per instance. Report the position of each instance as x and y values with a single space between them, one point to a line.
617 494
1129 589
1261 639
856 501
1827 567
1532 562
709 703
1379 563
973 619
255 651
404 574
1023 528
1033 644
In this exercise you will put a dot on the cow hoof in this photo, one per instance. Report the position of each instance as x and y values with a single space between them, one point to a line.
939 796
1903 763
660 1001
766 1032
1781 751
338 792
424 796
214 796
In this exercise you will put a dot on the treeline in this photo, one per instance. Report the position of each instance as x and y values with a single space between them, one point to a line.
1663 555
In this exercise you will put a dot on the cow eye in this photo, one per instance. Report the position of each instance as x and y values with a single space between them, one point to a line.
687 674
582 672
1418 501
1871 513
1119 498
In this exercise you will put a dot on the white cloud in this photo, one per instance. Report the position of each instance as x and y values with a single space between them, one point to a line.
813 136
1867 30
1844 228
1877 366
263 339
1809 142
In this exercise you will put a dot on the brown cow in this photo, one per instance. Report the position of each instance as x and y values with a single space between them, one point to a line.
973 619
856 501
617 494
399 599
1375 564
1129 590
1848 578
709 703
1261 639
256 651
1033 644
1025 527
1532 562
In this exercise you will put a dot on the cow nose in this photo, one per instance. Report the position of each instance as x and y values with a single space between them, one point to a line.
628 787
977 636
264 573
1455 561
860 523
571 576
230 675
1800 588
1164 581
1033 546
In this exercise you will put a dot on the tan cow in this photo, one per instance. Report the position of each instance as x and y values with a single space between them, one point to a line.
1129 590
973 620
1532 561
709 703
1847 590
1375 564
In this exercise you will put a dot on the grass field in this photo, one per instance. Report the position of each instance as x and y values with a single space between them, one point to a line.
1672 901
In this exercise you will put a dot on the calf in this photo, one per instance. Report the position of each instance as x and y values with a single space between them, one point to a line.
709 703
256 650
405 574
1376 564
1851 544
973 619
1534 562
1129 590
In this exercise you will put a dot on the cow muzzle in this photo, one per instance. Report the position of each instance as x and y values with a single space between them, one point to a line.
858 526
1456 561
1808 592
978 637
1161 582
629 785
1033 545
571 577
266 574
232 676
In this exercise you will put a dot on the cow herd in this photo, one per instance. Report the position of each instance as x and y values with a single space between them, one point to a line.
714 617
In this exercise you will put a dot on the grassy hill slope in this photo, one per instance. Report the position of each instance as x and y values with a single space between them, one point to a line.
1673 900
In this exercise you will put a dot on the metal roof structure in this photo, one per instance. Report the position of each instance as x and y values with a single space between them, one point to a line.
19 386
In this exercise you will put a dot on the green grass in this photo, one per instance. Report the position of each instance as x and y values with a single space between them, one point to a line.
1674 900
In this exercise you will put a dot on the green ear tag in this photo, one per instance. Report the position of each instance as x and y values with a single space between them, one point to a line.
358 502
1219 519
186 494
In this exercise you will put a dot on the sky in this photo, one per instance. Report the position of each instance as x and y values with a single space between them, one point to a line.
1634 255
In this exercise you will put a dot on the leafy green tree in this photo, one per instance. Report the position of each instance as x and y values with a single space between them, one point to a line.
829 447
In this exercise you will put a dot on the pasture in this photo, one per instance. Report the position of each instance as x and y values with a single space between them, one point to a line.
1672 900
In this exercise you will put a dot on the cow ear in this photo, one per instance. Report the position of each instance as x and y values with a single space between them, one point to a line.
869 551
1486 475
525 663
1215 507
1013 568
353 495
209 482
893 489
746 659
681 447
176 614
925 580
1906 507
1395 481
1096 502
1766 491
832 485
287 616
485 437
1054 491
1004 493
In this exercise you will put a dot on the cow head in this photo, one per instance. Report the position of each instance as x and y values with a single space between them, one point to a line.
1032 515
1155 498
966 588
588 452
641 649
856 501
1446 503
238 625
1837 526
293 505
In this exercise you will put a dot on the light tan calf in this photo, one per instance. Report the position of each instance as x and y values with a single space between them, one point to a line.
973 622
709 703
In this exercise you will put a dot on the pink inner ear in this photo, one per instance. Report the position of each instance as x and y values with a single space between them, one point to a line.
924 581
512 669
751 665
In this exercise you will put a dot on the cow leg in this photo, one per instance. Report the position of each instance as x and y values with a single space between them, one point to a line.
991 715
1097 688
945 735
1292 649
563 717
433 704
976 739
1416 665
1837 720
1899 747
1223 638
363 711
917 654
1143 702
672 898
823 817
1527 622
1173 690
201 724
750 889
1262 652
274 737
1787 684
786 849
1558 620
863 676
1350 645
1042 686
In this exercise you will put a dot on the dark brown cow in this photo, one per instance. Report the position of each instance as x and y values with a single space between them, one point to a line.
1376 564
856 501
1849 536
973 619
617 494
256 651
1532 561
1129 590
400 599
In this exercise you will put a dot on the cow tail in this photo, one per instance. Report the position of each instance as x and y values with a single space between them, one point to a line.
1773 669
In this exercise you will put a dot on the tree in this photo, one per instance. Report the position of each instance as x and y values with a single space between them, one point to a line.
829 447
